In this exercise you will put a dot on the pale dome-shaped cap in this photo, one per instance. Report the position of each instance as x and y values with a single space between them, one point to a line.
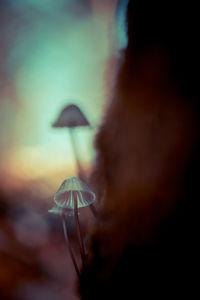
71 116
71 189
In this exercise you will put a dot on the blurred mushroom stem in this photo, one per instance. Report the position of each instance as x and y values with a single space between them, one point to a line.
79 233
69 247
80 170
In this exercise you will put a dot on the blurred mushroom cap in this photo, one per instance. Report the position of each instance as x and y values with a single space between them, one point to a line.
71 116
57 210
73 189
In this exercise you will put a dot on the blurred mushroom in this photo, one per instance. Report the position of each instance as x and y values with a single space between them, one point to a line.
63 212
74 194
71 117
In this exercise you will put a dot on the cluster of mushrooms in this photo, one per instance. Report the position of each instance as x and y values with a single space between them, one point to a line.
73 193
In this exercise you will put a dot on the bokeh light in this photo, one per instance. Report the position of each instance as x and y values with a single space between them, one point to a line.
55 54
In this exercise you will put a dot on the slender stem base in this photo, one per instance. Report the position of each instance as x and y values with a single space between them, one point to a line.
69 247
79 233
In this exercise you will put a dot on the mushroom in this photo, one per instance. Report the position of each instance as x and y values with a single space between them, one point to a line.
71 117
74 194
63 212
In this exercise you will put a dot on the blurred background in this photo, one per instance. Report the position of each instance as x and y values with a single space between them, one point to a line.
52 54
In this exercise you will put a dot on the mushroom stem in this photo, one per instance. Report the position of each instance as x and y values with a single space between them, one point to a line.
79 233
81 172
69 247
72 137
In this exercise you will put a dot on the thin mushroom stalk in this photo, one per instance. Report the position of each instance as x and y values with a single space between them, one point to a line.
63 212
78 163
69 247
79 233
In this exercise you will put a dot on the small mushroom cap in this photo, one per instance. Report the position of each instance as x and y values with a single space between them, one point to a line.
61 211
74 189
71 116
